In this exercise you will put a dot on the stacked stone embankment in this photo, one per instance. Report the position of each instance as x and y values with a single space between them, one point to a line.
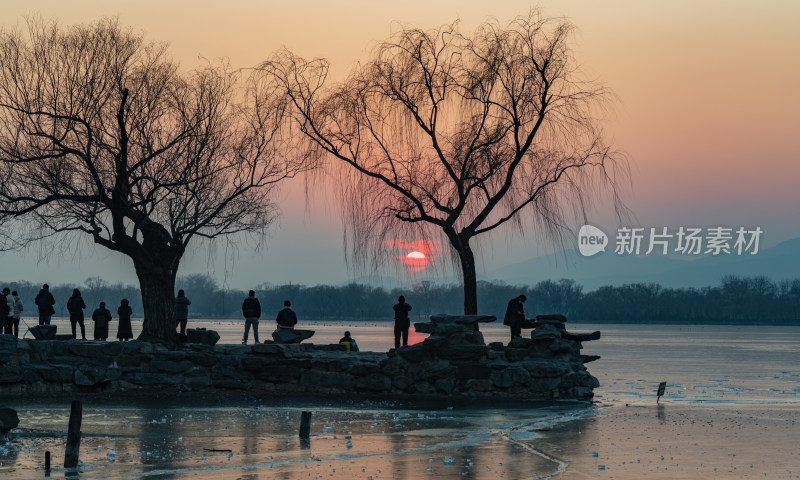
452 361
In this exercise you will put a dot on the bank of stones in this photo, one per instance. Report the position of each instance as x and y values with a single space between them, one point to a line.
453 361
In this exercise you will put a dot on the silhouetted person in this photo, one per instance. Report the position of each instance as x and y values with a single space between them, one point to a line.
251 309
101 317
5 311
45 301
348 342
286 318
515 315
124 330
401 321
75 306
16 312
181 311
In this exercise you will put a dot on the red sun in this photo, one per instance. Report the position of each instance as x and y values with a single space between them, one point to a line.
418 255
416 260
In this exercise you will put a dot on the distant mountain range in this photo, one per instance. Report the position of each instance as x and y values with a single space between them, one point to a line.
608 268
780 262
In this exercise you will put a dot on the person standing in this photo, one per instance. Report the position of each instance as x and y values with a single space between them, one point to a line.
182 311
515 315
401 321
45 301
16 312
101 317
286 318
5 311
124 329
75 306
251 309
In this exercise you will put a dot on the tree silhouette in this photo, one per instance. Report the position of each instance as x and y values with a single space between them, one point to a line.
101 135
449 136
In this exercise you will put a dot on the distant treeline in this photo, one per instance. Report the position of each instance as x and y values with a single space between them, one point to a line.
735 300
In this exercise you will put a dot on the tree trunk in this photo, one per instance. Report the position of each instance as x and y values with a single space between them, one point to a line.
157 284
469 278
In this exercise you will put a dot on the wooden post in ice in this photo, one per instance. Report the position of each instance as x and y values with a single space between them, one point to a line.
74 435
661 387
305 424
47 463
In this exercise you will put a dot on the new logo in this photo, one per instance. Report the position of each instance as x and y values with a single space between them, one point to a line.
591 240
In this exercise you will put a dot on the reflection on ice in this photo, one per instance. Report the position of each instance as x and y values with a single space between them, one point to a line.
261 440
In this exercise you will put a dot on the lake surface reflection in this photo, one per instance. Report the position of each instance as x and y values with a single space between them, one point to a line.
722 374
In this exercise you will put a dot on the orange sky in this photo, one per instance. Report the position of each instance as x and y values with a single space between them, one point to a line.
707 112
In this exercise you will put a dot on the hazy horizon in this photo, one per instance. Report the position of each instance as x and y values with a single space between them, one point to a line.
705 113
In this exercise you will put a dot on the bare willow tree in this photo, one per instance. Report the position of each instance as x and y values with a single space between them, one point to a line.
103 137
442 133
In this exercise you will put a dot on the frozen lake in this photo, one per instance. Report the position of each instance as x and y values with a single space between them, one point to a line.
731 410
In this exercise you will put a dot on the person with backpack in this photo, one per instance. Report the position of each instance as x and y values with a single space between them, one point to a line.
349 343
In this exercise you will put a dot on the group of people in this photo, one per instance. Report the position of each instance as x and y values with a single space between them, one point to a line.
11 308
101 317
10 312
251 310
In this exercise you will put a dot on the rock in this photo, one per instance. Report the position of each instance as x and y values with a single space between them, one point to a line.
8 420
291 335
463 352
82 379
496 346
272 349
43 332
445 386
202 336
372 383
473 370
170 367
520 342
8 347
509 377
552 317
315 378
545 332
414 353
581 337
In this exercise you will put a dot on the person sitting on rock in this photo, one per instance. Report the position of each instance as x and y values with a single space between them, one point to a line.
349 343
286 317
515 316
101 317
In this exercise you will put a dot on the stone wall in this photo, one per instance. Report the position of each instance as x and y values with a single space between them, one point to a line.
452 361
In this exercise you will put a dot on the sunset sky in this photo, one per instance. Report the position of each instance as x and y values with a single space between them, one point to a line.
707 112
